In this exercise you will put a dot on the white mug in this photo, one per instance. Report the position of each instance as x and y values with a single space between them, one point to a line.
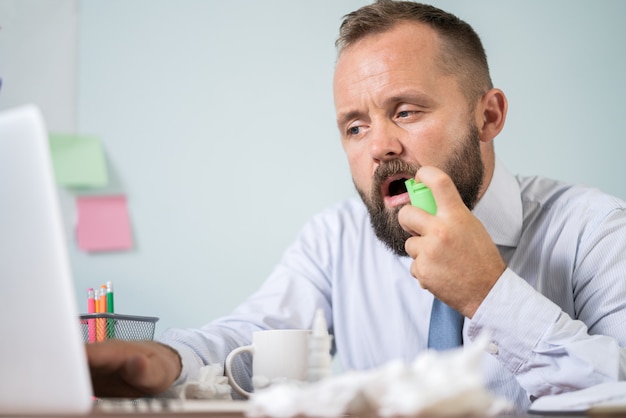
276 354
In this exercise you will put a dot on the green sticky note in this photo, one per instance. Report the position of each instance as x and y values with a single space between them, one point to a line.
78 160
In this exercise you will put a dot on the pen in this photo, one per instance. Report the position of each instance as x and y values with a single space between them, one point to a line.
110 309
101 307
91 323
109 289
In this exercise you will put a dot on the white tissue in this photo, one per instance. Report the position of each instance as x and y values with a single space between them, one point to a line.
437 383
210 384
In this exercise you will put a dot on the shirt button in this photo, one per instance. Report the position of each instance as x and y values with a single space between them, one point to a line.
492 348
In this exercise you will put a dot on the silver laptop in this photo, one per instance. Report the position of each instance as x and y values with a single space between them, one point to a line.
43 367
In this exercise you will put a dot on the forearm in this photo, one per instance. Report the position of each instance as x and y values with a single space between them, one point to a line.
568 358
546 350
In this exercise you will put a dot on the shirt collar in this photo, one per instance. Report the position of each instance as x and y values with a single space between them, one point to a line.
500 208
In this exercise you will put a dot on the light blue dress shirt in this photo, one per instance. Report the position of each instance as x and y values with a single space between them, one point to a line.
556 317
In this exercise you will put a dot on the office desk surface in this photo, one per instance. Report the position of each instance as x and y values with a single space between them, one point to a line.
237 409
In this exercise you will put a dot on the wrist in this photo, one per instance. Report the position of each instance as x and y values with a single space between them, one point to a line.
173 358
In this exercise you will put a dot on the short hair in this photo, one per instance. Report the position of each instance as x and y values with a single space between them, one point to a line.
462 52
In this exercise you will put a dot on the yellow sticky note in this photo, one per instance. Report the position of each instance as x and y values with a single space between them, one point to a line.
78 160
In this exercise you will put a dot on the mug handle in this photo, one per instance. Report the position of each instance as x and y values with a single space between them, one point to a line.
228 366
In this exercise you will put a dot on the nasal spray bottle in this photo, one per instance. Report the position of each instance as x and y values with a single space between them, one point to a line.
319 349
421 196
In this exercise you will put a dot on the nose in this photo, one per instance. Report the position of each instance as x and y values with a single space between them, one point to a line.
385 143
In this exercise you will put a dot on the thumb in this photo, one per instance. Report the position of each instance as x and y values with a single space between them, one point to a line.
441 185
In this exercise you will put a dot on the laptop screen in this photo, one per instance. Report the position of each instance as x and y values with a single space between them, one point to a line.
42 357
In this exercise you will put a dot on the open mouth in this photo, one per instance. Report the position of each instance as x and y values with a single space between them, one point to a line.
394 191
389 178
397 187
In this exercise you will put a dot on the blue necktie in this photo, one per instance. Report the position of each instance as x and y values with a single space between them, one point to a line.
446 327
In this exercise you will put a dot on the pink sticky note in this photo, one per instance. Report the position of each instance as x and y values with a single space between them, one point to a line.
103 223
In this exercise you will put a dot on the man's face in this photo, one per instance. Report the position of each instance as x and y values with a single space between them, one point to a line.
396 111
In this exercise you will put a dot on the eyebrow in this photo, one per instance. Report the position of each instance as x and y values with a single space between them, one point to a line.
412 96
344 117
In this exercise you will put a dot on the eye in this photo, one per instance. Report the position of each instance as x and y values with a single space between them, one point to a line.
404 114
354 130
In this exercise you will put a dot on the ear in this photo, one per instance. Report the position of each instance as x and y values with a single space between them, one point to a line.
491 114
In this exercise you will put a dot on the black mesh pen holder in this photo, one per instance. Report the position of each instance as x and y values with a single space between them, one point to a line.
98 327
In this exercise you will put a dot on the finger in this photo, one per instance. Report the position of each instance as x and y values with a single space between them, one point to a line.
411 246
141 374
121 368
441 185
111 386
413 220
148 369
104 355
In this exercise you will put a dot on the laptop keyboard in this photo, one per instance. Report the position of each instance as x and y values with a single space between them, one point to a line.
156 405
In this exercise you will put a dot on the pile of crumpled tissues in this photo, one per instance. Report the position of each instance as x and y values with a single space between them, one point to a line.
444 383
210 384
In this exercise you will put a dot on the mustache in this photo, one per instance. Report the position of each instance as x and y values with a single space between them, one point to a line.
393 168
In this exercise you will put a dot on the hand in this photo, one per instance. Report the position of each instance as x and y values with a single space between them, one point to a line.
132 369
453 255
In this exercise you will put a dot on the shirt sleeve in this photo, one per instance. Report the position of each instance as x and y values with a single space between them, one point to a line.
550 351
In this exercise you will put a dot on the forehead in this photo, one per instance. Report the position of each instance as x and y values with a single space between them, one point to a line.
386 64
406 46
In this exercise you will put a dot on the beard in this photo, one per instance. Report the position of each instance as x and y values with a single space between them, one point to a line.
465 168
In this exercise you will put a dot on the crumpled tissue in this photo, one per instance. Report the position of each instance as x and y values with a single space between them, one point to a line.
443 383
210 384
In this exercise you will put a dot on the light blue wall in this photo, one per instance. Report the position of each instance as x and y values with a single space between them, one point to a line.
562 65
217 122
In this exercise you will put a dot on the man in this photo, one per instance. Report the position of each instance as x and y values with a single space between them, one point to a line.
539 265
